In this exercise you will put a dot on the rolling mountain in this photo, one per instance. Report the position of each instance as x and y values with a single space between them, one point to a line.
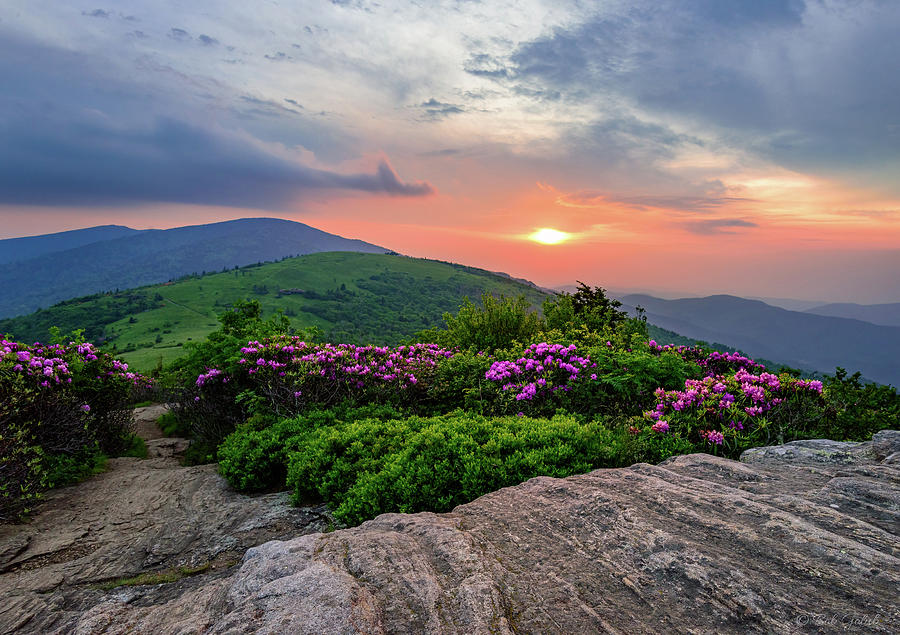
350 297
804 340
15 249
883 314
139 258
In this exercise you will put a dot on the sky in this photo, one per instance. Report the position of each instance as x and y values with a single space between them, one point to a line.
676 146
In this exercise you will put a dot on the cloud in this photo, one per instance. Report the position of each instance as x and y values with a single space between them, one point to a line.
444 152
683 203
179 34
807 84
113 141
716 225
485 65
207 40
96 13
435 110
88 163
385 180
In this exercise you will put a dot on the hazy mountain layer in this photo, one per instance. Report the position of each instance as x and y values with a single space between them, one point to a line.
15 249
153 256
883 314
800 339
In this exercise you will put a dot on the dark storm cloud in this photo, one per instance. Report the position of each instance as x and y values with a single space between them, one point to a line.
85 163
803 83
716 225
73 133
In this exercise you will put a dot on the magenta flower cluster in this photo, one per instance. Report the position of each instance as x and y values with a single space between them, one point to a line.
543 369
732 402
296 363
209 374
55 364
712 362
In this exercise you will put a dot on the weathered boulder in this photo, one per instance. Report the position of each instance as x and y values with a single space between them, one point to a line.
782 543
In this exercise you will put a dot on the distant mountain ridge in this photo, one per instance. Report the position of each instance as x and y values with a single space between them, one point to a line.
151 256
801 339
28 247
883 314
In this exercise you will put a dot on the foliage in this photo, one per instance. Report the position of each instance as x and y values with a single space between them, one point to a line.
858 410
730 413
254 458
285 375
364 468
135 447
587 307
497 324
210 420
68 469
172 426
63 407
363 465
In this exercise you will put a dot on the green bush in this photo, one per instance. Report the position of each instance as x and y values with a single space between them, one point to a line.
68 469
255 456
857 410
365 468
497 324
135 447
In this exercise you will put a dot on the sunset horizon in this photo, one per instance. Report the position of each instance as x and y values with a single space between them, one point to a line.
702 147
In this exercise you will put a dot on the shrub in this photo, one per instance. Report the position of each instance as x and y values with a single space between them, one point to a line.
730 413
171 426
600 380
285 375
368 467
587 308
497 324
858 410
255 456
61 407
68 469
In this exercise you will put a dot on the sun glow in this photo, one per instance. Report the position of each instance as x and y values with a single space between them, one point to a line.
548 236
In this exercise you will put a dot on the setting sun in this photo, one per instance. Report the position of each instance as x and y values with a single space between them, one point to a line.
549 236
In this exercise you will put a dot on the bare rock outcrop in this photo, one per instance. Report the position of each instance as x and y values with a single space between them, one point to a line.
783 542
150 515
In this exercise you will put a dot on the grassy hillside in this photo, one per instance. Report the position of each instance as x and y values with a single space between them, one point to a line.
351 297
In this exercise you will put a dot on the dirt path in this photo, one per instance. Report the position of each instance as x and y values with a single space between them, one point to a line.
145 421
142 515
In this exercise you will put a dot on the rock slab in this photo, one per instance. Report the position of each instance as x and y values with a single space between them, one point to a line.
140 516
779 543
